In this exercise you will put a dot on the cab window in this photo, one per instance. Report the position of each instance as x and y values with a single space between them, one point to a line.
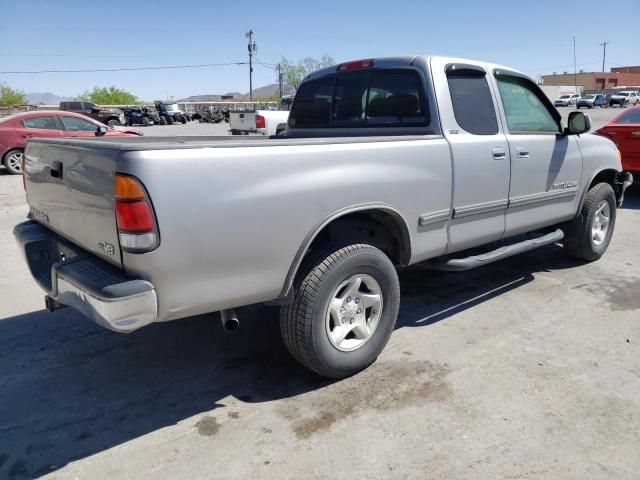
524 107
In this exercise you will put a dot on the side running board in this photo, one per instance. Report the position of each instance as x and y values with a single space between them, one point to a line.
460 264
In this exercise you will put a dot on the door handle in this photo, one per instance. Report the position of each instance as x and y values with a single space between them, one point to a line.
523 152
499 154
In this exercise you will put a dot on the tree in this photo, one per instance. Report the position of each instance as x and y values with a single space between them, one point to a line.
294 73
108 96
10 96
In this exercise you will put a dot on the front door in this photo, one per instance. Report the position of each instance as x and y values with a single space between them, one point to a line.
546 165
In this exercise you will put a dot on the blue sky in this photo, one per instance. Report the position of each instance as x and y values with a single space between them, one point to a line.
535 37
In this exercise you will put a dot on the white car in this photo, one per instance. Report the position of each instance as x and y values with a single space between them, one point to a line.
566 100
625 98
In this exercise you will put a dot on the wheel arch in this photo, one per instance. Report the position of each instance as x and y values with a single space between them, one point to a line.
390 231
604 175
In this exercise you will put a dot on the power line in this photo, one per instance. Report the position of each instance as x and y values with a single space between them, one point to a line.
125 69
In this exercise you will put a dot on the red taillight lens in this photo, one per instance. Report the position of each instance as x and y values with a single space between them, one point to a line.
355 65
260 121
134 217
137 228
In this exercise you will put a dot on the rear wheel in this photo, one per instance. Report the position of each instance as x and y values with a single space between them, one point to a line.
170 120
13 161
598 219
183 119
113 122
163 121
145 121
344 310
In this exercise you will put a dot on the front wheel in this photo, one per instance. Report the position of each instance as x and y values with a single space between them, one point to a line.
597 220
13 161
113 122
344 310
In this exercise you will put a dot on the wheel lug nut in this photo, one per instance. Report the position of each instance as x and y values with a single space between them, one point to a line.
358 311
375 312
342 320
357 299
351 320
348 299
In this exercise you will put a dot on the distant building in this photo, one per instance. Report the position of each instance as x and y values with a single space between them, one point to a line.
617 77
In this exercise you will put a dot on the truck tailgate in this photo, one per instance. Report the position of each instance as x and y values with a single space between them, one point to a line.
70 189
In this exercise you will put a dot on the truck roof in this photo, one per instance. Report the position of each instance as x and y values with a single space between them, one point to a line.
417 60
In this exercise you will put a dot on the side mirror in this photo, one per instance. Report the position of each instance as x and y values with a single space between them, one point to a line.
578 123
101 130
95 109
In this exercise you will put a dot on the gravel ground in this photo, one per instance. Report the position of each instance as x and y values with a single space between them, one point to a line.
524 369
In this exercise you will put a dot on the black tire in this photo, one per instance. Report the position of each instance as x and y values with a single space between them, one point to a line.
13 161
183 119
235 132
163 121
113 122
579 243
145 121
169 120
304 323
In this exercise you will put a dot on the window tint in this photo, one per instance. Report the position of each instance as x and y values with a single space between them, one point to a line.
361 99
74 106
630 116
524 110
350 98
45 123
396 99
88 105
312 105
472 102
74 124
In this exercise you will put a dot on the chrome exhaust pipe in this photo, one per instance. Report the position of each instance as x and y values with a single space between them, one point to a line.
229 320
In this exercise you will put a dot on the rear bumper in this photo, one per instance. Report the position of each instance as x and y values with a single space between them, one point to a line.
73 277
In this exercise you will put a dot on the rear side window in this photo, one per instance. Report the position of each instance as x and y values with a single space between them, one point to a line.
472 102
74 106
312 106
376 98
43 123
630 116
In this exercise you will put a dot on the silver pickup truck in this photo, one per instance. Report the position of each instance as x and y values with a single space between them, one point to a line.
385 162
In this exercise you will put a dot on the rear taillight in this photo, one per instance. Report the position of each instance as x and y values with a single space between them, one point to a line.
137 227
260 121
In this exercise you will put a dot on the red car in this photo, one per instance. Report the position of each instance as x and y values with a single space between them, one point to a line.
624 131
16 129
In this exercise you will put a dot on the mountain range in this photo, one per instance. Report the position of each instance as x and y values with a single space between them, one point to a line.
47 98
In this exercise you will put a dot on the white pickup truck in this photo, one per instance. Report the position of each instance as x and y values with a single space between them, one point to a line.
384 162
262 122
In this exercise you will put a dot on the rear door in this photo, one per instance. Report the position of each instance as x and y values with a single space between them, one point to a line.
546 166
41 126
480 153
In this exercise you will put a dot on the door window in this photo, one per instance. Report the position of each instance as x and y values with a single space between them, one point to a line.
75 124
43 123
74 106
524 107
472 102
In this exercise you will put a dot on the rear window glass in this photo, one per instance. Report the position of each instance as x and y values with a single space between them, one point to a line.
361 99
630 116
472 103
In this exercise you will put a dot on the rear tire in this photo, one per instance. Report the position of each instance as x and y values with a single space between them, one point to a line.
13 161
163 121
145 121
113 122
169 120
598 218
344 310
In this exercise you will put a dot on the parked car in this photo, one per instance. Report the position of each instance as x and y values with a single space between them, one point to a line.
141 116
624 98
17 129
591 100
170 112
566 100
384 162
113 117
624 131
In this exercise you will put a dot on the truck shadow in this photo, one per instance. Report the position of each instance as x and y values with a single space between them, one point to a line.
632 197
71 389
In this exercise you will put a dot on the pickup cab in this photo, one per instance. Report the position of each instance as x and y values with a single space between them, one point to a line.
384 162
113 117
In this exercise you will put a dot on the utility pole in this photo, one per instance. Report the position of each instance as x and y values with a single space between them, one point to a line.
252 49
280 79
604 53
575 72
